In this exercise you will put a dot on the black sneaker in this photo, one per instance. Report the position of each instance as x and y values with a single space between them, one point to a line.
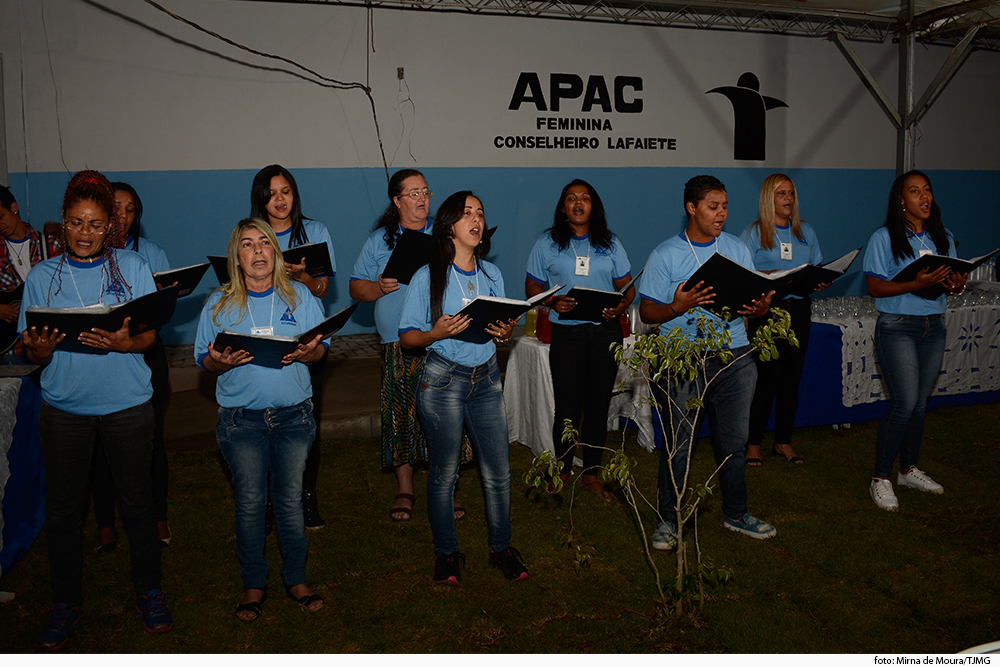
448 568
61 618
508 561
310 511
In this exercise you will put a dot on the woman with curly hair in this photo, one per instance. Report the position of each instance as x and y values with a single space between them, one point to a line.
81 406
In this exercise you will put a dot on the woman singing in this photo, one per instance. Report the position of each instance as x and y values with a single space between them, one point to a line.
81 406
274 197
460 385
579 249
265 414
403 441
780 240
910 330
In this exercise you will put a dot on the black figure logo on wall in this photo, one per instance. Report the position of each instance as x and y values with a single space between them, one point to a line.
749 109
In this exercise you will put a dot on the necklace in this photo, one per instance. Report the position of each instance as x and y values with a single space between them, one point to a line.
472 289
89 259
691 245
17 253
100 296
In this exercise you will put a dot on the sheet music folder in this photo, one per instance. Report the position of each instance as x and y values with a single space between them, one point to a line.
317 256
933 262
591 302
268 351
147 312
485 310
187 278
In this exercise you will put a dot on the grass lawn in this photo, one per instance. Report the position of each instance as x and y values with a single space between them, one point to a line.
840 576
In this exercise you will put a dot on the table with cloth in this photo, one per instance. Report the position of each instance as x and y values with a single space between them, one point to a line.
841 380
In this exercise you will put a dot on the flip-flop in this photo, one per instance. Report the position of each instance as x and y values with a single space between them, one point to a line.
254 608
305 601
459 511
754 462
407 512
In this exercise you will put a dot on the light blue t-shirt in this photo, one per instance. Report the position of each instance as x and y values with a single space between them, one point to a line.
548 265
90 384
257 387
880 264
804 251
673 262
369 266
315 233
152 252
416 313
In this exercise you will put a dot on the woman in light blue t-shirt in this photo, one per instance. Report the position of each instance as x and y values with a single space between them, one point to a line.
460 385
910 330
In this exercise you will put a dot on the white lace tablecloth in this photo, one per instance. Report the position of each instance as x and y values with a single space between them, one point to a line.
972 347
530 402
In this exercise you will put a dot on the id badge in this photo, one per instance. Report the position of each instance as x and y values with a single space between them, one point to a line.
583 266
262 331
786 251
924 251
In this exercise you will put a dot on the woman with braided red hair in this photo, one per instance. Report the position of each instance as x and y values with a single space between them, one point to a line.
91 397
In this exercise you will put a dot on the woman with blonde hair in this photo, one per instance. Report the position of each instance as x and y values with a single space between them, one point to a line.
265 414
778 240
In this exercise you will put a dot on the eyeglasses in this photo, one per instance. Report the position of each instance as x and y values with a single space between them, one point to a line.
96 226
417 194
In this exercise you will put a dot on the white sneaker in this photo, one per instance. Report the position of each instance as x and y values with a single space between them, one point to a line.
883 495
918 479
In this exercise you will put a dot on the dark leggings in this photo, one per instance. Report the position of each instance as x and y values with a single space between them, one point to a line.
778 379
312 460
102 486
583 377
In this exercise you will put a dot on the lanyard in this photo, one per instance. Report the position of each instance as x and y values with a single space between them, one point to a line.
691 245
100 296
270 324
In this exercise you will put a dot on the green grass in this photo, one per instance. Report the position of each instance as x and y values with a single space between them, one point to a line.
840 577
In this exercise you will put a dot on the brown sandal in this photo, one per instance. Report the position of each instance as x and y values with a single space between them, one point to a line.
592 484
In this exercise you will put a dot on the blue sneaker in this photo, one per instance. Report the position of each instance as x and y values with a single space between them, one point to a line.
665 536
752 526
151 609
61 618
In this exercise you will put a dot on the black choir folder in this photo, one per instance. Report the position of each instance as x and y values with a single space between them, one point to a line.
736 286
485 310
268 351
591 302
187 278
803 280
147 312
934 262
413 250
317 256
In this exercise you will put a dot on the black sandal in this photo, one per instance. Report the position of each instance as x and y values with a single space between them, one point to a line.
305 601
407 512
254 608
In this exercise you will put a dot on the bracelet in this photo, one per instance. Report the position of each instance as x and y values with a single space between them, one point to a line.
671 307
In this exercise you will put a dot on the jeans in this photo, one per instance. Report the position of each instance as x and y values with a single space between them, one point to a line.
583 376
452 395
253 442
778 379
727 404
68 447
909 349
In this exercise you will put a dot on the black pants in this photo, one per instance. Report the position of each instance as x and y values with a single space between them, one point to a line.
312 461
101 484
778 379
68 447
583 377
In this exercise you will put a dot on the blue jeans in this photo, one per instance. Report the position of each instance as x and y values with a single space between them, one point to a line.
253 441
452 395
68 442
909 349
727 404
